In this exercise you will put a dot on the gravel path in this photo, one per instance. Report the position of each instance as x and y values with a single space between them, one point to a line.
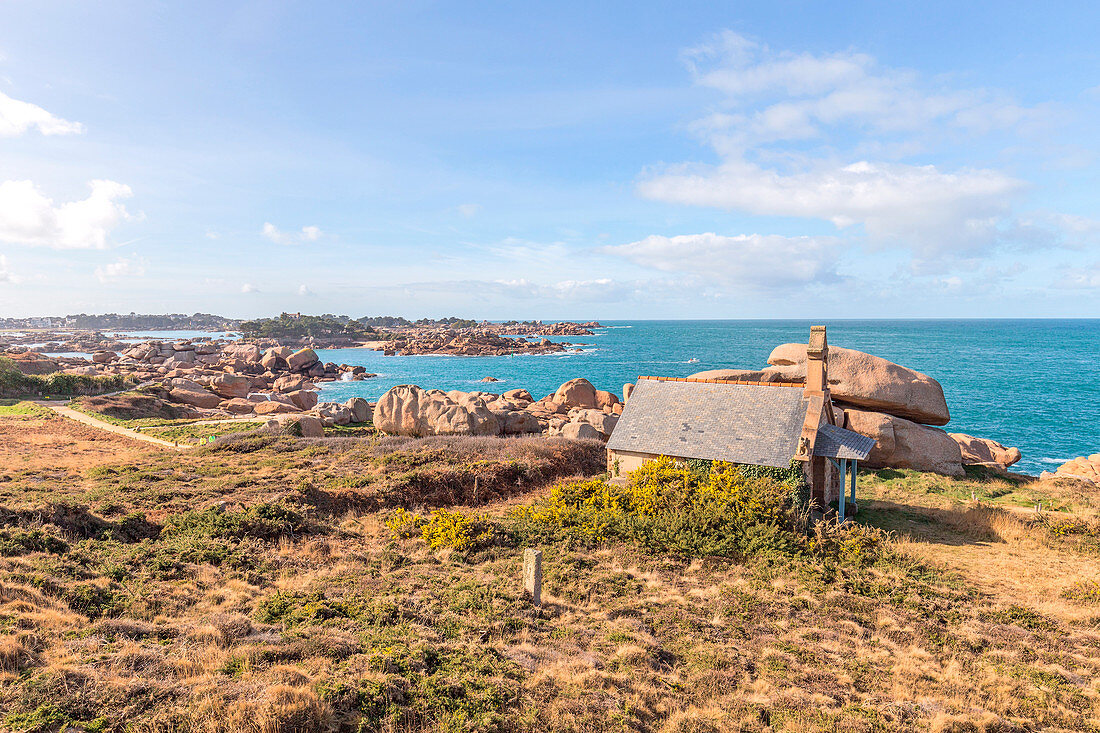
72 414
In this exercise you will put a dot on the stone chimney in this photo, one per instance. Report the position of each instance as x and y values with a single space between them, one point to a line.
817 362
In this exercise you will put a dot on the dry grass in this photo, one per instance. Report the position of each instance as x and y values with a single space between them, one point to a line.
338 625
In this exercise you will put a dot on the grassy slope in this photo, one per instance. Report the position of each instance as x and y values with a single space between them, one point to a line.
295 608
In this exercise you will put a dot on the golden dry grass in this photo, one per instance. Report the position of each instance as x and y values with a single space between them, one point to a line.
340 625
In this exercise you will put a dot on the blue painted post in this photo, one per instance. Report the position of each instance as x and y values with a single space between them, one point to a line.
843 488
855 468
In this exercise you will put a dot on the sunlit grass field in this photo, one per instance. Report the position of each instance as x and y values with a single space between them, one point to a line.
262 584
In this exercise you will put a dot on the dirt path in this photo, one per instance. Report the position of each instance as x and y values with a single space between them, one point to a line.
80 417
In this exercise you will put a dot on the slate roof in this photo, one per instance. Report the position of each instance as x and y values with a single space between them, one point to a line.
752 423
834 442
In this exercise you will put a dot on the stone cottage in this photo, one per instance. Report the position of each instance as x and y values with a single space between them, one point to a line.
744 422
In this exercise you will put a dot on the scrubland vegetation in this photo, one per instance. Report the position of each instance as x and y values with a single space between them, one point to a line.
272 583
13 383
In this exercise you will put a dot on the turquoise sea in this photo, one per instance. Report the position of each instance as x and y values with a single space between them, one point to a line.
1034 384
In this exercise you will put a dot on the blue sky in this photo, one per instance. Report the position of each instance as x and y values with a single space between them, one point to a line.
558 160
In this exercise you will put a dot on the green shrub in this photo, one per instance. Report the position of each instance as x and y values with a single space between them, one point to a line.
456 530
15 542
848 544
404 523
267 521
298 608
93 601
13 383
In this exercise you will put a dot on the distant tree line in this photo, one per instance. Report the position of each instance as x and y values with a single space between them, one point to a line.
297 326
128 321
398 322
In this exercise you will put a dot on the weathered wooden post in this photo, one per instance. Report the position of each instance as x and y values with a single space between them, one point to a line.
532 575
841 515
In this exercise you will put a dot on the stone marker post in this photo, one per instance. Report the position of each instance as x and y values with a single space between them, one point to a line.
532 575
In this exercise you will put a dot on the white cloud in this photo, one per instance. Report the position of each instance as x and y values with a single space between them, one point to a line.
1081 278
304 290
468 210
749 260
6 275
524 291
249 288
931 210
306 234
820 136
17 117
28 217
784 95
211 234
126 267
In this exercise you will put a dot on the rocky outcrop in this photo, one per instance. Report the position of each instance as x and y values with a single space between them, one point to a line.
272 407
230 386
562 328
302 399
135 405
360 409
985 452
31 363
465 343
746 375
248 353
886 401
274 359
302 360
237 406
1083 468
410 410
901 443
307 426
856 378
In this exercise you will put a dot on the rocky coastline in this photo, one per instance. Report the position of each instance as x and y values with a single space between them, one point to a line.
466 342
481 339
901 408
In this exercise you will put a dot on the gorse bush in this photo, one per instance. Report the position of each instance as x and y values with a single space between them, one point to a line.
686 509
847 544
699 509
1083 591
444 529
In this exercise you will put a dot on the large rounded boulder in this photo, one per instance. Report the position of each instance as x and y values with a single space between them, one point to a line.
577 393
869 382
901 443
302 360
